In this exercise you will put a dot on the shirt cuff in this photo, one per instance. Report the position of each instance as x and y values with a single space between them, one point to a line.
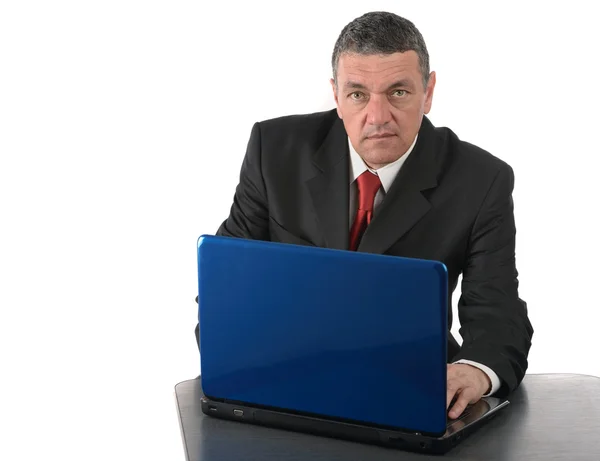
495 380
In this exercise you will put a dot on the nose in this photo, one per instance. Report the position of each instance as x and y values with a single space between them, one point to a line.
378 110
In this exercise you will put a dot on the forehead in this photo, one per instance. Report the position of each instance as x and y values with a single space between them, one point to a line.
377 71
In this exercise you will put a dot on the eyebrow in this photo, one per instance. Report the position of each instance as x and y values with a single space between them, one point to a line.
359 86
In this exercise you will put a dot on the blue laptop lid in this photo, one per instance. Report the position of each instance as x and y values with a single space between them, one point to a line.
337 334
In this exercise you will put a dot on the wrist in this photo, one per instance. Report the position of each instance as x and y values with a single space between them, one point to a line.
486 382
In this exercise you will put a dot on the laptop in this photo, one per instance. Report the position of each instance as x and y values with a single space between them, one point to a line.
329 342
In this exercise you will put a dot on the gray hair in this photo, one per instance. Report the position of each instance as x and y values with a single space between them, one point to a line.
380 32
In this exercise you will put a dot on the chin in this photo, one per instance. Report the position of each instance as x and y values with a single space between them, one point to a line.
383 156
378 161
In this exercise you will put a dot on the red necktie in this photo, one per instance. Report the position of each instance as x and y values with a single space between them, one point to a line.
368 185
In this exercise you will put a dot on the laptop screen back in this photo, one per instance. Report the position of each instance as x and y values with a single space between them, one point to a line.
336 334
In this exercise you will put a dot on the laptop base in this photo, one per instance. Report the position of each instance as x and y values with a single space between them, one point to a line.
457 430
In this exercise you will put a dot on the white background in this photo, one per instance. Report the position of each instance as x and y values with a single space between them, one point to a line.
122 128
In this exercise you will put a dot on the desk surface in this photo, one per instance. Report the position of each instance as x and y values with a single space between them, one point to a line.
551 417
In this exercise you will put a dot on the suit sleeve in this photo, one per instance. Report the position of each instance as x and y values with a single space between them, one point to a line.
248 216
495 327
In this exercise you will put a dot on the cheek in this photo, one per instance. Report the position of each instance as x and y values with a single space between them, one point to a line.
355 127
348 114
406 116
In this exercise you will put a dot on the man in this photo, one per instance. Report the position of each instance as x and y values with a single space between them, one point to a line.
374 175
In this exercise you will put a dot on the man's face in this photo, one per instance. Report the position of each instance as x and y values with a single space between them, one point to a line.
381 100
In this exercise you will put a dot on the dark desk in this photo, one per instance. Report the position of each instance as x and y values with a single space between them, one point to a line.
551 417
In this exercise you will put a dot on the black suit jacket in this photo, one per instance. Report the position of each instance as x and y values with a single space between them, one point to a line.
450 202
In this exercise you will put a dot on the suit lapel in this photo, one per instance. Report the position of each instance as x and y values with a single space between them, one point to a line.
329 186
404 204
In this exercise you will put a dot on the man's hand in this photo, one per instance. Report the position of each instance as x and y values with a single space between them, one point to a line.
467 384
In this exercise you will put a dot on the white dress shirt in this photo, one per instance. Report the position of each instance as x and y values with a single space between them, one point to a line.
387 175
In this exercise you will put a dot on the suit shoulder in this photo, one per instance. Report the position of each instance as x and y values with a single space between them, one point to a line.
299 126
293 120
471 156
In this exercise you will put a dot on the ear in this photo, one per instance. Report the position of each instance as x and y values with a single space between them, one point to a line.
429 93
335 97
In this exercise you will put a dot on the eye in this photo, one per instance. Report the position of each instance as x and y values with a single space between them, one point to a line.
356 95
399 93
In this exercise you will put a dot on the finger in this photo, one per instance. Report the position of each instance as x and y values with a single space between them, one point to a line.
464 398
452 387
457 425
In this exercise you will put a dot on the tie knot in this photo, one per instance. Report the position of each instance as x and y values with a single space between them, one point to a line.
368 185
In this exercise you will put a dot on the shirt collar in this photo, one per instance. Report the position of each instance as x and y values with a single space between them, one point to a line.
386 174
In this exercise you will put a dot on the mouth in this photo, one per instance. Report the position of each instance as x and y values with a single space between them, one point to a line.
381 136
